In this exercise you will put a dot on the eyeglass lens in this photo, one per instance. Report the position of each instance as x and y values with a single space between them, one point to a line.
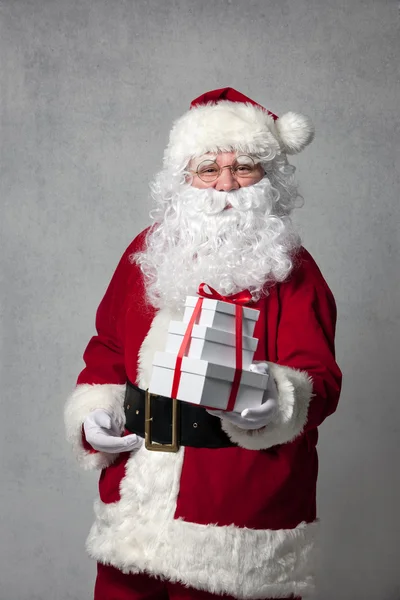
209 170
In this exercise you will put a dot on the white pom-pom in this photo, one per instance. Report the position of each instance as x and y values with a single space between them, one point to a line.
295 132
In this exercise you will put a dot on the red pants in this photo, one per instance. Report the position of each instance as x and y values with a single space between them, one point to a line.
112 584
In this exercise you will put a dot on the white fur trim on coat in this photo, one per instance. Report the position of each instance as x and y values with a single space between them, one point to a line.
140 534
295 392
156 340
240 126
84 400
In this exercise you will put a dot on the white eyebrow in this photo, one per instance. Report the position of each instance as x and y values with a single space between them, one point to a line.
199 159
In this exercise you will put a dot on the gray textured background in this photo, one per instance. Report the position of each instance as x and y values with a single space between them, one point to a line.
88 93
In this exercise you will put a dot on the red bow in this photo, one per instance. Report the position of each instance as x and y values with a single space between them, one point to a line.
241 298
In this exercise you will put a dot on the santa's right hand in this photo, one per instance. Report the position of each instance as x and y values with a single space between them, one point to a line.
103 434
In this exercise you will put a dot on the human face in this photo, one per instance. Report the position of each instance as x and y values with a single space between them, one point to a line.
226 182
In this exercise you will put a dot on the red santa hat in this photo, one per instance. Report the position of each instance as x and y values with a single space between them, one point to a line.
226 120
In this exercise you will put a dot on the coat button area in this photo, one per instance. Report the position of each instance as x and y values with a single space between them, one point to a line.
195 425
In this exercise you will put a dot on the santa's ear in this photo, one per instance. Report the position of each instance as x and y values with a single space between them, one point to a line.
295 132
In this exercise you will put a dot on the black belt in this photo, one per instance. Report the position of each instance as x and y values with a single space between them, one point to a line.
167 424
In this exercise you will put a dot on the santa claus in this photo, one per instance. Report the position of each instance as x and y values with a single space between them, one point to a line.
232 509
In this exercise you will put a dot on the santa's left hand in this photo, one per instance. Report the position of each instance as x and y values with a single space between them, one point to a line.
255 418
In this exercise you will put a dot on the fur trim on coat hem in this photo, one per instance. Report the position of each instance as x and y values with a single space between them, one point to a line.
139 533
244 563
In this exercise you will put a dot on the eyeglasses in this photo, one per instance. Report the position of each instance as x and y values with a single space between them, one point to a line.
243 166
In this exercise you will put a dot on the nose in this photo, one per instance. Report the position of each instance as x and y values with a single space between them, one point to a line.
226 181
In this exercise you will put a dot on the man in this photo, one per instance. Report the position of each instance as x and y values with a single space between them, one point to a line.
233 511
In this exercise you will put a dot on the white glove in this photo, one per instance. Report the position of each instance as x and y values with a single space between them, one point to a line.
103 433
255 418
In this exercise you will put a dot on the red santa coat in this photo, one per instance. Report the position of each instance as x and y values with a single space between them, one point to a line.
238 520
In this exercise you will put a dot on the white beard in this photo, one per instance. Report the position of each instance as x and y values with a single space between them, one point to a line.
198 239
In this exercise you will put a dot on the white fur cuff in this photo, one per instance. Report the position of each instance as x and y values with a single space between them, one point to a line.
295 392
84 400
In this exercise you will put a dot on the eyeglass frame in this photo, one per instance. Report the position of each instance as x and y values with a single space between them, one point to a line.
220 169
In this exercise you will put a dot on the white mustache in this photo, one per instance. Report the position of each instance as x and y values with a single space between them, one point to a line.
214 203
211 202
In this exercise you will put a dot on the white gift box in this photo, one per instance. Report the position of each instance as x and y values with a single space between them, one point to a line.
221 315
213 345
206 384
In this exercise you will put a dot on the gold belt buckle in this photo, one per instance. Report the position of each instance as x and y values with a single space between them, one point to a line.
148 442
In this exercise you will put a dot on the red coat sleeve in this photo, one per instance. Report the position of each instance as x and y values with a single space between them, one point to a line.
306 336
102 382
104 355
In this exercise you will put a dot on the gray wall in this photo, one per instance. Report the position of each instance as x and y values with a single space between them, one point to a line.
88 93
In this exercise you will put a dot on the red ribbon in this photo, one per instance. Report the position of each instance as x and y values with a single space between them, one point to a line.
182 349
239 357
239 299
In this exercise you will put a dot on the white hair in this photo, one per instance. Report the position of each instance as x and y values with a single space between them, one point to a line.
195 239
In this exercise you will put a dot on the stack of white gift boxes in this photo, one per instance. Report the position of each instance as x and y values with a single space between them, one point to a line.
209 365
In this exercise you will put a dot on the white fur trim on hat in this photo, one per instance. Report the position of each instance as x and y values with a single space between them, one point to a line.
235 126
